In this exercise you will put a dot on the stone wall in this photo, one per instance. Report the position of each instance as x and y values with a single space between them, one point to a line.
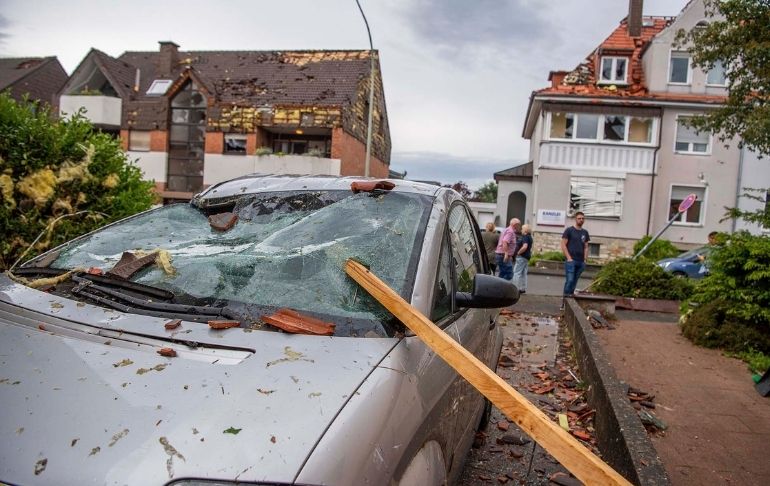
609 249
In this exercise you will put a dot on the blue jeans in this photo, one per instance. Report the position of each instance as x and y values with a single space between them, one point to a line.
505 269
572 272
520 273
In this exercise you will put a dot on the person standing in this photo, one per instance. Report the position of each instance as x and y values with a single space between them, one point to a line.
523 253
490 237
574 245
506 246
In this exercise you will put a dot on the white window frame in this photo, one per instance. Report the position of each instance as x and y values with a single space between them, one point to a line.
617 212
689 151
234 136
133 148
614 60
717 85
159 87
600 130
670 68
702 220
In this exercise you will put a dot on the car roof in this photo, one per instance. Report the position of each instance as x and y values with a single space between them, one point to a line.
253 183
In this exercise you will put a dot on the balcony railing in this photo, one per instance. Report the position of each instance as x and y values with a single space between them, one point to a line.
583 156
218 168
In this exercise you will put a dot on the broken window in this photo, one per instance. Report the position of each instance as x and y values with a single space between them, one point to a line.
139 140
442 291
640 130
596 196
613 70
561 125
235 144
694 214
287 249
679 68
690 141
615 128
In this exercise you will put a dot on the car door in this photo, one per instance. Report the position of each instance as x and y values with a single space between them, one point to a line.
461 259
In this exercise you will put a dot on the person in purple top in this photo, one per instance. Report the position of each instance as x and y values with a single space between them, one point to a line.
574 245
506 246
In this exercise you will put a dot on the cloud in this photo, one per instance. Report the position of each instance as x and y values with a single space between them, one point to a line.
4 24
500 31
448 169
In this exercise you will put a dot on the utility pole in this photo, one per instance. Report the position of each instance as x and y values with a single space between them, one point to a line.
371 95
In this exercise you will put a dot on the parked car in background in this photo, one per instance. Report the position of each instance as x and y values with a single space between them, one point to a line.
151 354
690 264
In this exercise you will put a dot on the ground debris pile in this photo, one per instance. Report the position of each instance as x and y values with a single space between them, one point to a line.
643 404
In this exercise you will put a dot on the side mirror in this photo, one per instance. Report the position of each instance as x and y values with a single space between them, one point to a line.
488 292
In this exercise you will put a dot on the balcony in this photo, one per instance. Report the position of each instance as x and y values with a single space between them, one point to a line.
102 111
597 157
218 168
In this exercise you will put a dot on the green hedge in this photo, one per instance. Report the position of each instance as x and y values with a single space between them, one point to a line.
641 279
657 251
51 168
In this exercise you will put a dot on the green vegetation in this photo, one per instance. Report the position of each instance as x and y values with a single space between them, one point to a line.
659 250
758 362
52 169
486 193
640 279
552 256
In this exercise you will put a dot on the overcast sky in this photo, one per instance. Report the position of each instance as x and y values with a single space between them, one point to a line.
457 73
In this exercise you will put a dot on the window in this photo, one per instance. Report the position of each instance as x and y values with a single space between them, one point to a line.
561 125
640 130
235 144
159 87
693 215
613 70
615 128
596 196
594 250
717 75
688 140
679 69
139 140
442 292
587 126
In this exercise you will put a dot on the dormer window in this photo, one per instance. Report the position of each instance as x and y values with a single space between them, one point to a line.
159 87
614 70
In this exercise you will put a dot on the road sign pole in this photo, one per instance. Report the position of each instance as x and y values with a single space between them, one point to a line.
683 206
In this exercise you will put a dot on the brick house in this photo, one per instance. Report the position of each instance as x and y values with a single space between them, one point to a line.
40 78
607 138
192 119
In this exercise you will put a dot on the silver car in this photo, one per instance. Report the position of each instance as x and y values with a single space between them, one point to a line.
124 373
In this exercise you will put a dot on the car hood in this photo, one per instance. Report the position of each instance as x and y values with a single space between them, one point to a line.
86 397
667 260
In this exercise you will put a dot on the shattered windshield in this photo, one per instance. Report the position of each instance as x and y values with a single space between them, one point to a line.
285 249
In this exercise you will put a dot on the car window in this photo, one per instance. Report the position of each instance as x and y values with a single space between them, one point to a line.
465 254
689 255
287 249
442 292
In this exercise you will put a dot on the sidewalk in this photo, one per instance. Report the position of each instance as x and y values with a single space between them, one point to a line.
718 425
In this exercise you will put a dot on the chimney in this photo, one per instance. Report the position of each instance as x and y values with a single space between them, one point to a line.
556 78
634 19
168 58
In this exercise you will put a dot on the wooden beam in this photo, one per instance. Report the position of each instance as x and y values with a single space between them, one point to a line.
580 461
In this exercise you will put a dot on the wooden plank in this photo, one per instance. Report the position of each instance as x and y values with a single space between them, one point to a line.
586 466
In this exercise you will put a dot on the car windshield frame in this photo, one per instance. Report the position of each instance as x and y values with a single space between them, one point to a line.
302 236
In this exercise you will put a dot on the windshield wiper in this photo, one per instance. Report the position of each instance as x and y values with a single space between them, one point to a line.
163 309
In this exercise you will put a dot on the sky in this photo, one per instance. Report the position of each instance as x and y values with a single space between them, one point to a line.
457 74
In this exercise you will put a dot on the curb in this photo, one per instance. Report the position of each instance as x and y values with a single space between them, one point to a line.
622 439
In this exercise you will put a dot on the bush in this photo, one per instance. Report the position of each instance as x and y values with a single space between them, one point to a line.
711 325
641 279
657 251
553 256
51 168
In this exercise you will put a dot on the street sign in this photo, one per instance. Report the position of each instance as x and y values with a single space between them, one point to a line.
688 201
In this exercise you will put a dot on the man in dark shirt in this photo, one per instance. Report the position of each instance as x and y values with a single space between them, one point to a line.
574 245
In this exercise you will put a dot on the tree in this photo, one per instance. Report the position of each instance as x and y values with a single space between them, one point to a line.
486 193
59 179
462 188
737 36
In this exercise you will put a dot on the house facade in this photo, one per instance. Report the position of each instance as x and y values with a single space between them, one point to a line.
39 78
608 139
192 119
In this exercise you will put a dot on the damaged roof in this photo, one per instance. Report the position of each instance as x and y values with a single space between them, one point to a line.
256 77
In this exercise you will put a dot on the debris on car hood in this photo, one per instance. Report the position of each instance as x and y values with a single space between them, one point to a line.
369 186
223 221
296 323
